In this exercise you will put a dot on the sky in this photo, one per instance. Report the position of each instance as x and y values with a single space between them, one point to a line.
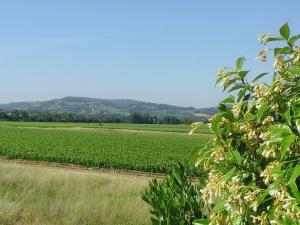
163 51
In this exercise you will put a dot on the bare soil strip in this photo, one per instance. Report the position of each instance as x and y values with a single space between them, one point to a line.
116 130
79 168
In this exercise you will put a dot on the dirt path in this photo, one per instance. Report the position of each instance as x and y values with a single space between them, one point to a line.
79 168
100 129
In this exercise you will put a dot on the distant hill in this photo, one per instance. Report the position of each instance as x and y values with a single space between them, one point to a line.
94 106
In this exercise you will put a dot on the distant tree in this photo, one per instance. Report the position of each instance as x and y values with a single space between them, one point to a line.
144 118
169 120
135 117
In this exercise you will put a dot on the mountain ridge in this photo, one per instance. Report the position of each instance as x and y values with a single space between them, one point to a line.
96 106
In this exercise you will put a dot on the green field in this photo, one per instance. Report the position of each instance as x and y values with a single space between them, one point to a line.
183 128
142 151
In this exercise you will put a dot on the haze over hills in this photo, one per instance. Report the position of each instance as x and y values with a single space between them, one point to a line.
94 106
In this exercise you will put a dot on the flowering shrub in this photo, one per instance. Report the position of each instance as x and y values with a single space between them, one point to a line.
253 160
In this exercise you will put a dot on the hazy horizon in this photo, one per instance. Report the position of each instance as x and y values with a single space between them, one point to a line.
155 51
165 103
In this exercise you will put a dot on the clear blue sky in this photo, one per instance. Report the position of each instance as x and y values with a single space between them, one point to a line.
164 51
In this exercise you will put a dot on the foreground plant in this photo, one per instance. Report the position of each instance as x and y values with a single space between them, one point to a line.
254 159
174 200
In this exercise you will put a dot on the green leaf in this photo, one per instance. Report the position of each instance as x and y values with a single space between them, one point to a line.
215 122
294 69
249 116
277 51
222 107
242 74
285 31
284 50
287 116
262 196
275 39
240 62
227 100
201 222
280 129
219 206
228 115
287 221
281 134
296 108
259 76
229 174
292 182
285 144
277 170
293 40
242 92
237 156
261 111
236 87
229 83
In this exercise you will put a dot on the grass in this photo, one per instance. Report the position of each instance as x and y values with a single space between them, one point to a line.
34 196
150 151
183 128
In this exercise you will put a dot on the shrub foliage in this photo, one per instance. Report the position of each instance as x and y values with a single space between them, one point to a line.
253 162
174 200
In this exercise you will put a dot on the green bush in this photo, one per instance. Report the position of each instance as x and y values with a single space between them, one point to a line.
174 200
254 159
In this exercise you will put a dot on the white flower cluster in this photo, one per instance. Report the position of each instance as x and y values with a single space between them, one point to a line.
259 188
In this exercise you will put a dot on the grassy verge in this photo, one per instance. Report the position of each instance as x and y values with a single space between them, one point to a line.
54 196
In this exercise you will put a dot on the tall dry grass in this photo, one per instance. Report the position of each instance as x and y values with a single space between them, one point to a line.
42 196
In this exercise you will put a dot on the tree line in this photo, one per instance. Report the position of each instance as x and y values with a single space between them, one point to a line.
134 117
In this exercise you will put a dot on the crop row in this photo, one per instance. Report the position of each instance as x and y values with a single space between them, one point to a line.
110 149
